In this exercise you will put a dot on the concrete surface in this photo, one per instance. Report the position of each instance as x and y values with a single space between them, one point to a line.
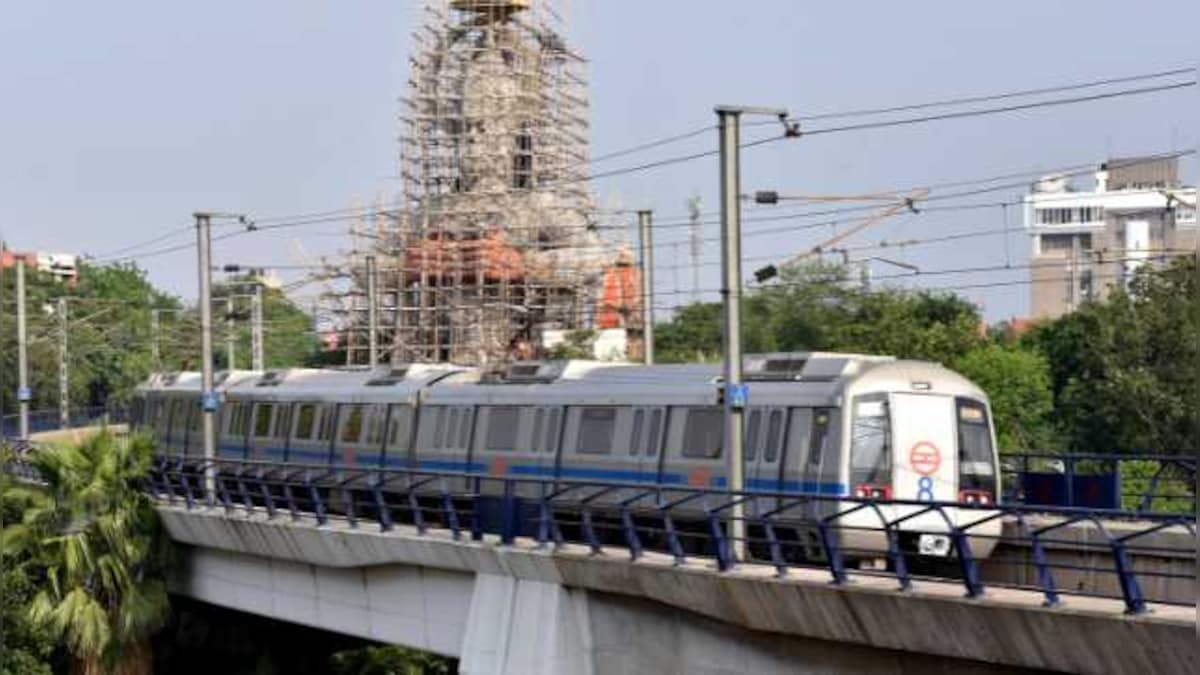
865 618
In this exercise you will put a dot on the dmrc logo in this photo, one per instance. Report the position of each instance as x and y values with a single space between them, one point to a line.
925 458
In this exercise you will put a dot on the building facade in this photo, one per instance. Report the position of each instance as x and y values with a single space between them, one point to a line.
1087 242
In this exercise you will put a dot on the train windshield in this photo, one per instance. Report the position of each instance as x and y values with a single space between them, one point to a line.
871 441
975 458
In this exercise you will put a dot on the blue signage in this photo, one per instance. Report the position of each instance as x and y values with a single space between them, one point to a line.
24 394
209 401
739 395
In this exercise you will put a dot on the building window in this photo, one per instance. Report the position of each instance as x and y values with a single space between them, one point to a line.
1185 214
1057 245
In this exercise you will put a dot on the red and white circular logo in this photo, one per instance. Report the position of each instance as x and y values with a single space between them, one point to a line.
925 458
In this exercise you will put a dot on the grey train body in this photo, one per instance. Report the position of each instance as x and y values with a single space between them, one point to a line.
819 424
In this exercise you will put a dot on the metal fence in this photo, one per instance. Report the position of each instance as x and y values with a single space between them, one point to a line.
1136 482
681 521
49 419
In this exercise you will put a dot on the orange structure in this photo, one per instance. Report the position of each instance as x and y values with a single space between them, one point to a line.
620 301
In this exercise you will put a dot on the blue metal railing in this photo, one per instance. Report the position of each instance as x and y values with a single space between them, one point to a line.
678 520
48 419
1135 482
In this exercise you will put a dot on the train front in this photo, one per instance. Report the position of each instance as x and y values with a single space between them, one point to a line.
921 434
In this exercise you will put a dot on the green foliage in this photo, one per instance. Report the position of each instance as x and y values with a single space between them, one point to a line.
577 345
1173 492
288 338
1018 386
1125 373
109 334
389 660
24 649
93 536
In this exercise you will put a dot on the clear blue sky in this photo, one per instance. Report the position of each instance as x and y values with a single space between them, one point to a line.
118 119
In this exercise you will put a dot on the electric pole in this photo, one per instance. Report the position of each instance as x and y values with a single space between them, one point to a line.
64 383
256 327
23 393
155 354
230 337
646 247
735 393
372 314
208 397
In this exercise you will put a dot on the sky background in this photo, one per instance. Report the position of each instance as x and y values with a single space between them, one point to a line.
119 119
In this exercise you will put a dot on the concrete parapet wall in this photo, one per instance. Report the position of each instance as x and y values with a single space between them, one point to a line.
77 435
1007 627
1082 562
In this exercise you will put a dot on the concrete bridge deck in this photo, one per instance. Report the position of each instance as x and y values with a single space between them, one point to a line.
333 576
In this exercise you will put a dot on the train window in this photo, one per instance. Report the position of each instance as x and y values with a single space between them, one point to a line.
353 425
262 420
283 418
241 420
536 437
703 433
304 421
375 421
652 435
464 429
974 440
325 419
819 436
596 431
635 438
871 440
439 428
502 425
774 435
552 430
753 427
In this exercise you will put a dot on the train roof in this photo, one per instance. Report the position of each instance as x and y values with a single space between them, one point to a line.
772 378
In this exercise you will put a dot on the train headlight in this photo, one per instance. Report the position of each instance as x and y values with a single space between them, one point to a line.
975 497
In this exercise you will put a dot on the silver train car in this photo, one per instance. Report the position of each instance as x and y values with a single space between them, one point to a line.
837 425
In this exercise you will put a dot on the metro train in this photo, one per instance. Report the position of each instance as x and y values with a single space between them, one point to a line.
829 424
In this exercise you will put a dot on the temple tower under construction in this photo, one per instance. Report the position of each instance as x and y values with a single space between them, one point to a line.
495 242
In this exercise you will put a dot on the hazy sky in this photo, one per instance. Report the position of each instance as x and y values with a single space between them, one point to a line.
119 119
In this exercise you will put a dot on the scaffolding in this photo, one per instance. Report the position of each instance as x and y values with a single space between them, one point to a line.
494 240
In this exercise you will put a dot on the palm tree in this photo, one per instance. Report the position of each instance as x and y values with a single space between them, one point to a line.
93 533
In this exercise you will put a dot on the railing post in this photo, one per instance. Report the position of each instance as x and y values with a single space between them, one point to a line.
837 567
268 496
381 507
187 487
899 564
348 501
720 543
1135 603
244 493
450 514
1070 479
508 515
1042 565
589 530
775 548
223 494
290 497
966 563
631 535
414 505
673 542
315 495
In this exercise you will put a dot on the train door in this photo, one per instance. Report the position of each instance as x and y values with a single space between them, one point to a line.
925 465
763 448
399 449
260 442
647 437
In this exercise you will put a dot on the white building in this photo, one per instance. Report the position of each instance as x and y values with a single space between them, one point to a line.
1084 242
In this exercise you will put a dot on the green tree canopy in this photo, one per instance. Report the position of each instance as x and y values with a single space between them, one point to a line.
93 535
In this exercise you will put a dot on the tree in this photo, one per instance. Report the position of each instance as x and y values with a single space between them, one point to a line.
389 660
24 649
1124 372
1017 382
92 533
